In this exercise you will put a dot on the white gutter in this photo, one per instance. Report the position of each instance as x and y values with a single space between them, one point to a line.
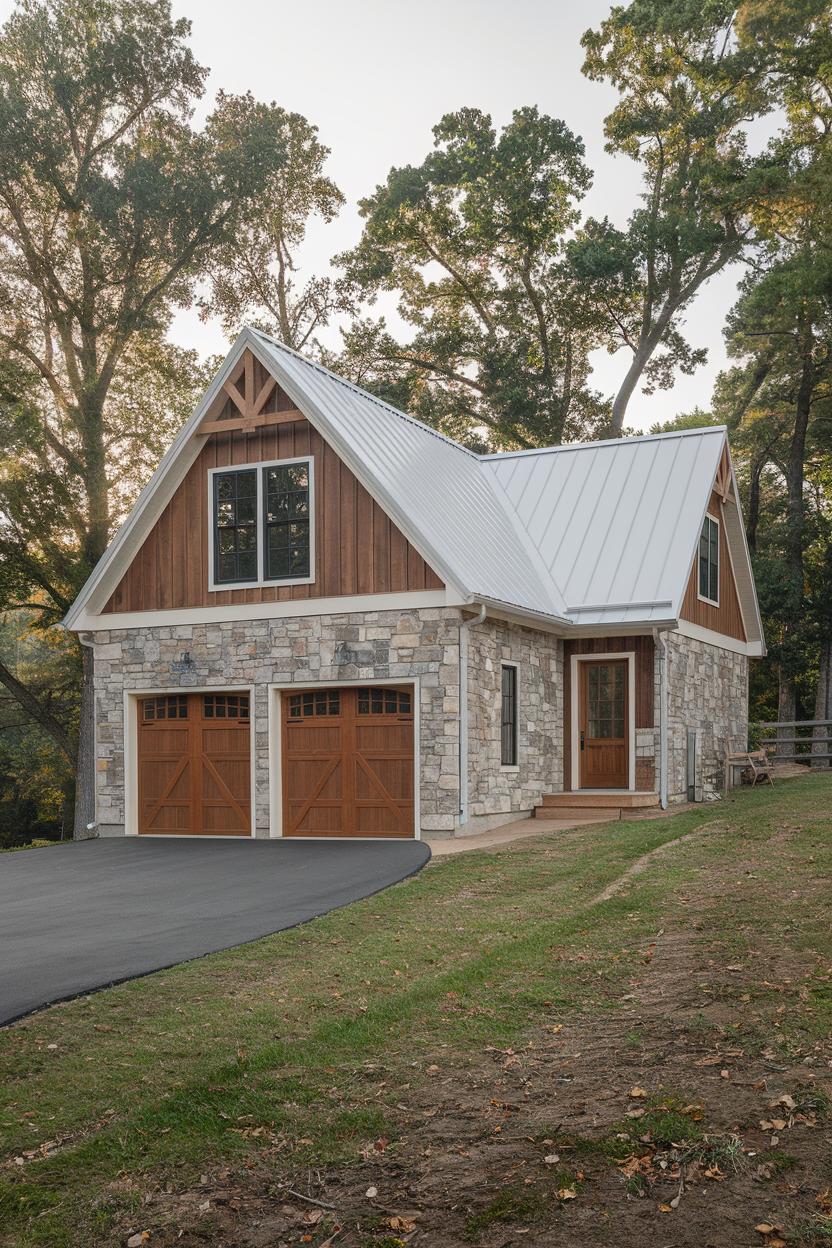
464 626
658 636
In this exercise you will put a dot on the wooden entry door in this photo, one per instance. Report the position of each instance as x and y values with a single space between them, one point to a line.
348 762
194 765
604 721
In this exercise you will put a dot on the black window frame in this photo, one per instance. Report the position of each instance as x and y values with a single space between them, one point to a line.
293 523
299 524
251 526
509 686
708 559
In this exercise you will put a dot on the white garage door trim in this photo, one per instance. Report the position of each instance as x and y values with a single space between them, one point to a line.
131 751
276 751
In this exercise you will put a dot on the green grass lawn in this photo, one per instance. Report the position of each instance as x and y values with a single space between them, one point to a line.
148 1085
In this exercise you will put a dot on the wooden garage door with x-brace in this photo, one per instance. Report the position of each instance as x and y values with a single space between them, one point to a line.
348 762
194 764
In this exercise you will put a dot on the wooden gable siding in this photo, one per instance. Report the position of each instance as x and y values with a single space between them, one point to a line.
643 647
358 549
727 617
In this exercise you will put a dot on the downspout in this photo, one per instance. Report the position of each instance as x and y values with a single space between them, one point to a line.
464 626
661 641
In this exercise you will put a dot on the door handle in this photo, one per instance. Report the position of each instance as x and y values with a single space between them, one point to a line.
582 740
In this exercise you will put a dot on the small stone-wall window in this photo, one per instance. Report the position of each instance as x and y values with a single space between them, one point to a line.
709 561
508 717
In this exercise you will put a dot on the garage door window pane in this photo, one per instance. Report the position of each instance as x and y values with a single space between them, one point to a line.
383 702
225 706
174 707
317 702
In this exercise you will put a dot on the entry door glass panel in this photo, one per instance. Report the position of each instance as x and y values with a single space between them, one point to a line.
606 701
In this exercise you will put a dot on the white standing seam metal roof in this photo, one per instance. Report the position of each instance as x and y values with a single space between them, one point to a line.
615 523
595 534
435 489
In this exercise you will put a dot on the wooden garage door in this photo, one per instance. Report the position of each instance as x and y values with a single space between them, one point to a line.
348 762
194 765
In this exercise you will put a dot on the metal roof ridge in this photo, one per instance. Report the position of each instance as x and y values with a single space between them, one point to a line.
587 446
365 394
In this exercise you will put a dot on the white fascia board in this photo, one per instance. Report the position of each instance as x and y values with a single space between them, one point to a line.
754 649
152 500
758 620
679 596
409 601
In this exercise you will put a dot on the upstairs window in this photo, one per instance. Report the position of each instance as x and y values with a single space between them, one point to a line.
508 717
709 561
235 526
286 498
262 524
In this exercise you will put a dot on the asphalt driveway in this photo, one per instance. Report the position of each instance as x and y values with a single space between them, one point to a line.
81 916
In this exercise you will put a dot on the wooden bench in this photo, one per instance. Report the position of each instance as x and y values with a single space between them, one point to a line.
757 764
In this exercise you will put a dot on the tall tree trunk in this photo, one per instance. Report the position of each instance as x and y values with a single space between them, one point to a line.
628 385
752 521
786 709
85 768
95 482
823 702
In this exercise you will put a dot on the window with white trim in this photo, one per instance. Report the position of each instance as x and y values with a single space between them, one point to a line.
261 524
709 561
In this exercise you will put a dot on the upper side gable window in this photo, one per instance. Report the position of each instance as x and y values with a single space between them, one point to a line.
261 524
709 561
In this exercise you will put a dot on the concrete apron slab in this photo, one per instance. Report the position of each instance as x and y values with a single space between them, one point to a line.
519 830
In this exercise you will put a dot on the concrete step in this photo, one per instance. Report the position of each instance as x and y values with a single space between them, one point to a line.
597 800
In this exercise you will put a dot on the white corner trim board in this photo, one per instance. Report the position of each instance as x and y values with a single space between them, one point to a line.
630 656
276 750
409 601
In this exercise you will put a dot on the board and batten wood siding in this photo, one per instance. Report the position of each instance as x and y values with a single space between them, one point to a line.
727 617
358 549
643 648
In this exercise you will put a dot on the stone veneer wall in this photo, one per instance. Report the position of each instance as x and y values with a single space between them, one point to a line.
708 692
376 645
496 790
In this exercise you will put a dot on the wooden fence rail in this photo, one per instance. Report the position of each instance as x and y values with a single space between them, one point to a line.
814 745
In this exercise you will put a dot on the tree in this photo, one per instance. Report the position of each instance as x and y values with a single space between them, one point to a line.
691 77
778 399
109 204
253 270
472 244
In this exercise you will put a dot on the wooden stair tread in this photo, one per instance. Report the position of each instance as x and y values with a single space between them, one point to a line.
621 801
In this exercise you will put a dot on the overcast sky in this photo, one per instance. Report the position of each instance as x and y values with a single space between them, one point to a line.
376 75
